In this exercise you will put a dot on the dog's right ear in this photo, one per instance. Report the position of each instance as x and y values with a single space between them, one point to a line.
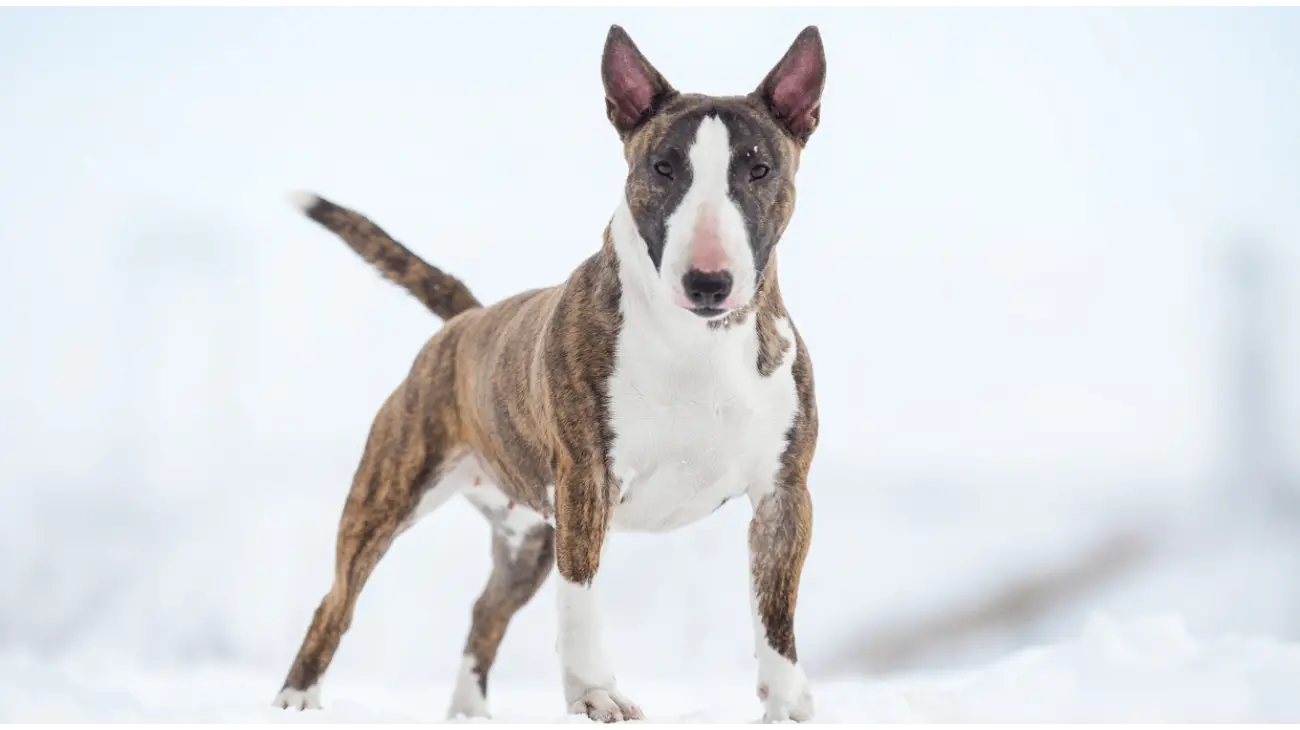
634 90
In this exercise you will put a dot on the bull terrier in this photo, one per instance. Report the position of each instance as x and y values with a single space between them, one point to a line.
663 378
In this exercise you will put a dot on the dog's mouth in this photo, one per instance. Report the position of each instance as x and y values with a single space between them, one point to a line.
708 312
701 311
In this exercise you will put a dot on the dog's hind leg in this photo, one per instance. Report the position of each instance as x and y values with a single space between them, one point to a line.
523 551
407 469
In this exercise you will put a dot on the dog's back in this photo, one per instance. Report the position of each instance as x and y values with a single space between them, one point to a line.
496 356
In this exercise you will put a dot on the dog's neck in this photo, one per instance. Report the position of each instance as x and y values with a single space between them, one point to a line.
642 292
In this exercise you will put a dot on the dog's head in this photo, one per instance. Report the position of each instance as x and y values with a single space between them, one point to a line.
710 182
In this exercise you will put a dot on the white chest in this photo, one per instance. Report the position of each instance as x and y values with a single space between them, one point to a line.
694 423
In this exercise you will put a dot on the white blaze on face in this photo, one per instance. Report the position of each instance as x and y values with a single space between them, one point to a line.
707 231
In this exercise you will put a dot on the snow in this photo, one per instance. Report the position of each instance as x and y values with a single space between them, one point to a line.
190 610
1138 670
1006 264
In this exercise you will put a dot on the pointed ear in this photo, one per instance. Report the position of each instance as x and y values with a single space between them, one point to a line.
633 88
792 90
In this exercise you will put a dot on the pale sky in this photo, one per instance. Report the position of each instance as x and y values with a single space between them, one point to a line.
1005 258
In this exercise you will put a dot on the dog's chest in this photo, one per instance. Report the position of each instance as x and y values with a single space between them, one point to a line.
694 425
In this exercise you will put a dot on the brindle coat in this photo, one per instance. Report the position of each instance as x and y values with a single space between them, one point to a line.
522 386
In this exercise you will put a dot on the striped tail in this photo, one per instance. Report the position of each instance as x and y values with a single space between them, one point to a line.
444 294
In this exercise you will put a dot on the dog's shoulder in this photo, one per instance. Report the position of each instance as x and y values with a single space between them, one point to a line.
579 345
582 331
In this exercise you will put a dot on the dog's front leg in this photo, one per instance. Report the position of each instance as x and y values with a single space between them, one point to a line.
583 499
778 542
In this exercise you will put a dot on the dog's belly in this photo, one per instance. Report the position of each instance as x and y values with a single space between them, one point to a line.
689 437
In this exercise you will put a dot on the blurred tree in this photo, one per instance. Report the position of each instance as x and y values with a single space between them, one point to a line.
1256 478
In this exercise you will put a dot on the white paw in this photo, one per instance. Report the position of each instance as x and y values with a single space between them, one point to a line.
787 699
605 705
470 708
468 700
299 699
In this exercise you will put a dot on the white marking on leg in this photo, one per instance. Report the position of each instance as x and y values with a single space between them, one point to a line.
582 650
511 520
468 700
299 699
782 685
589 685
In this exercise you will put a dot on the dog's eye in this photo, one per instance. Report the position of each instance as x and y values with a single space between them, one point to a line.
758 172
665 169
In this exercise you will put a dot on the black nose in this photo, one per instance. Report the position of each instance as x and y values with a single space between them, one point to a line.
706 290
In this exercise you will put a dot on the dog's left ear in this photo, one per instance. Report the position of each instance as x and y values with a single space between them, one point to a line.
792 90
633 88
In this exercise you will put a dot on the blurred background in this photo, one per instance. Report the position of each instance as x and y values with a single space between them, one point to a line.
1045 261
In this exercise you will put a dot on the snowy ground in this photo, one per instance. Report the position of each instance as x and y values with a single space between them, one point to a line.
1141 670
185 609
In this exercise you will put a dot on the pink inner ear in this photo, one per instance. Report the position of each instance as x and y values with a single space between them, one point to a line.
632 89
795 93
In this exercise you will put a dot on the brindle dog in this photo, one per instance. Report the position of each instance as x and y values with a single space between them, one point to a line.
663 378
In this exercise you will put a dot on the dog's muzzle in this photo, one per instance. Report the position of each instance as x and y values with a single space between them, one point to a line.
707 291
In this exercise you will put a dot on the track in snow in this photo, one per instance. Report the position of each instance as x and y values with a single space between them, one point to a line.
1140 670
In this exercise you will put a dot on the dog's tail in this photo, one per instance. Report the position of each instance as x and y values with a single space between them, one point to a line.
444 294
